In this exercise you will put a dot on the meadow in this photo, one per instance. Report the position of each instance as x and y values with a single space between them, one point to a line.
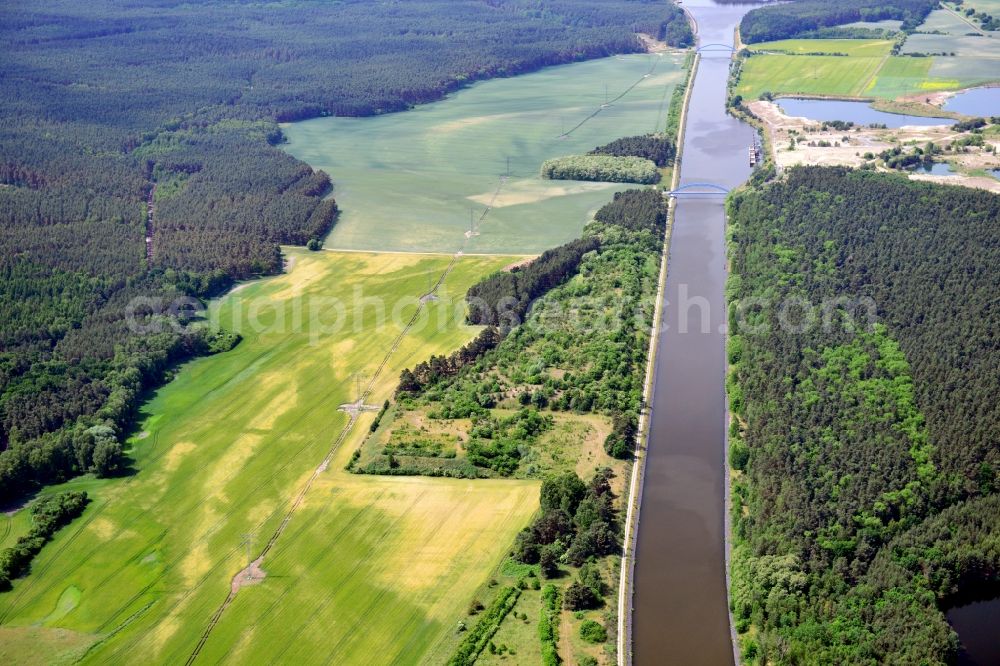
851 47
408 181
242 440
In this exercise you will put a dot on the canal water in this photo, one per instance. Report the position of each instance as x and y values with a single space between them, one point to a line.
978 628
680 605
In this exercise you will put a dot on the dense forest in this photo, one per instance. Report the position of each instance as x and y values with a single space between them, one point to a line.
581 348
139 159
784 20
865 368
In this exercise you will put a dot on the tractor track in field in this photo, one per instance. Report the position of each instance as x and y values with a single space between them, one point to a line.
235 588
7 522
310 565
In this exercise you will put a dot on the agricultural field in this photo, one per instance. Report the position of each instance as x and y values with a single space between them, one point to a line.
869 70
409 181
851 47
944 21
967 71
12 526
988 6
224 450
962 46
807 75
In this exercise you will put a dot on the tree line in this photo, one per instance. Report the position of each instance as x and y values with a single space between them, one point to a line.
503 298
770 23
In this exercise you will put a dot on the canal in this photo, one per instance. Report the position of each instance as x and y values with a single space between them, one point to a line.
680 606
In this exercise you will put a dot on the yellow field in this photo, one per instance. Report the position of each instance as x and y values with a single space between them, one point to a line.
364 565
851 47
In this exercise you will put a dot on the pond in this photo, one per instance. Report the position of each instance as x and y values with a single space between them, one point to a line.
976 102
938 169
860 113
977 627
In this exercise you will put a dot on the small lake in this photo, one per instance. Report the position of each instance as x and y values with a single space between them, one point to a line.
938 169
983 102
978 628
995 173
860 113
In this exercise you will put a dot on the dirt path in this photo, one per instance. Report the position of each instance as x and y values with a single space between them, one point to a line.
868 82
565 647
150 213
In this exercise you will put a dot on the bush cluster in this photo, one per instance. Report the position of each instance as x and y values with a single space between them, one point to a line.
48 515
602 168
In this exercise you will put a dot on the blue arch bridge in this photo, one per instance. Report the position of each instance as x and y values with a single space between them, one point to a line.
716 47
699 189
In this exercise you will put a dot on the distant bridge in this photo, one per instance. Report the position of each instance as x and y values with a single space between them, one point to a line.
696 189
716 47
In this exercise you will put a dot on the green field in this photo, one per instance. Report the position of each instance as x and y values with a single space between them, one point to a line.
407 181
366 565
851 47
807 75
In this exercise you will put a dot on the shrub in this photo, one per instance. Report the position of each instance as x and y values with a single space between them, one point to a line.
593 632
580 597
548 561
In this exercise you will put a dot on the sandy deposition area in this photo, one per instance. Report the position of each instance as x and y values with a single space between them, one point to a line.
848 147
